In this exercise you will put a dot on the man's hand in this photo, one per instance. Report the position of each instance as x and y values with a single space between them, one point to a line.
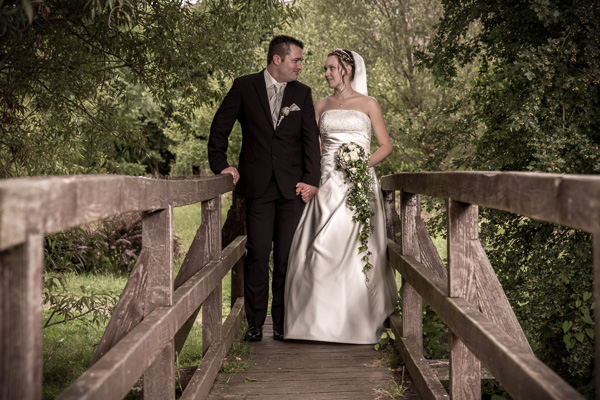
233 172
306 191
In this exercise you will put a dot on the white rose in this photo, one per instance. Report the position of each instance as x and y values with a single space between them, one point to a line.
351 147
353 170
354 156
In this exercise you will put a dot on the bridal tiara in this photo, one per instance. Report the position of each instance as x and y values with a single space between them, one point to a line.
344 55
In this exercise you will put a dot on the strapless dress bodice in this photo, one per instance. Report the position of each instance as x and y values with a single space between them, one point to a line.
342 126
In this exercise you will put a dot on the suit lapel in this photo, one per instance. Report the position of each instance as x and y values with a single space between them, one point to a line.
261 90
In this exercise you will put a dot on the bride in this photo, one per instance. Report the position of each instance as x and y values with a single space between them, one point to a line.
328 297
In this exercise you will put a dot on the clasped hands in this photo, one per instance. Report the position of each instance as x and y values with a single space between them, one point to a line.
302 189
306 191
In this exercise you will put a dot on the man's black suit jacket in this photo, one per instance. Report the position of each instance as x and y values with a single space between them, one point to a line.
291 151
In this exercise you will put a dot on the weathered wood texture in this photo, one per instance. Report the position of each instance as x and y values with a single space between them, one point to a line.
234 226
202 250
204 377
286 370
570 200
235 223
114 374
596 239
211 308
519 372
21 321
424 377
465 369
157 240
393 226
52 204
442 369
428 252
412 304
129 311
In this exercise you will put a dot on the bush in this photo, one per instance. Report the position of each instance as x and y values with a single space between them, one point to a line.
108 246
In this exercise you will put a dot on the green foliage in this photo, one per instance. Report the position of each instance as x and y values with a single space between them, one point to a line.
435 335
536 92
546 275
90 309
92 86
108 246
386 338
531 106
387 34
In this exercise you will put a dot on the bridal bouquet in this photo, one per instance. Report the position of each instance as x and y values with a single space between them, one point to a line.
353 160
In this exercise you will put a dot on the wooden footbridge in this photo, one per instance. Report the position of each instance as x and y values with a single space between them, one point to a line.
154 314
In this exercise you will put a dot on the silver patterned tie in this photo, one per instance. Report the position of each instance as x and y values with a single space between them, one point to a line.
275 102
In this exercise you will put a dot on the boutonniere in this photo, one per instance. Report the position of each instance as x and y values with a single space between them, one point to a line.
285 111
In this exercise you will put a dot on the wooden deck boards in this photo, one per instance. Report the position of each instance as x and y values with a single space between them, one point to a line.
309 370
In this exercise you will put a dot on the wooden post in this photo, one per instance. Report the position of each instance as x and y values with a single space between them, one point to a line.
212 306
157 239
392 221
201 251
412 304
21 322
596 241
237 281
465 368
234 226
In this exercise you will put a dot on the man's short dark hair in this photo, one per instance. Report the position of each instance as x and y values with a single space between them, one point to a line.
280 45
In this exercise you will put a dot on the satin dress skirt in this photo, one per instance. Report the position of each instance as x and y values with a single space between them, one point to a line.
327 295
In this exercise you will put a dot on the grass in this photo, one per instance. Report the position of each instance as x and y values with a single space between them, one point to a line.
69 347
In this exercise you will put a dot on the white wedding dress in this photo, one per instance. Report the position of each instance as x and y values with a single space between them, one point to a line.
327 296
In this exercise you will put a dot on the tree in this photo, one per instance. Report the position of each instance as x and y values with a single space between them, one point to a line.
387 33
68 68
533 106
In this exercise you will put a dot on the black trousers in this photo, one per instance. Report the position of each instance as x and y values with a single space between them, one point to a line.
271 220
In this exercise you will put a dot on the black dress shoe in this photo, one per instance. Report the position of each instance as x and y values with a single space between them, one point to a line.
277 331
254 334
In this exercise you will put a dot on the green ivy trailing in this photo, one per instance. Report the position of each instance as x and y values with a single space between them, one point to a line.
353 160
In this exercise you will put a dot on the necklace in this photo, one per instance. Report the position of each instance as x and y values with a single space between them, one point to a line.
341 103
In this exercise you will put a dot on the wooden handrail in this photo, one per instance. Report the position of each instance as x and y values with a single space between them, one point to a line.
468 297
570 200
140 338
55 203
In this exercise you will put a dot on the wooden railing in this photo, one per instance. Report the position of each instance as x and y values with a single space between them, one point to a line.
467 294
154 313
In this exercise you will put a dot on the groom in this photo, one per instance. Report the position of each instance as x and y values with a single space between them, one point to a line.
278 170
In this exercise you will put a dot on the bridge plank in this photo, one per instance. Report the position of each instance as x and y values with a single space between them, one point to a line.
294 369
503 356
